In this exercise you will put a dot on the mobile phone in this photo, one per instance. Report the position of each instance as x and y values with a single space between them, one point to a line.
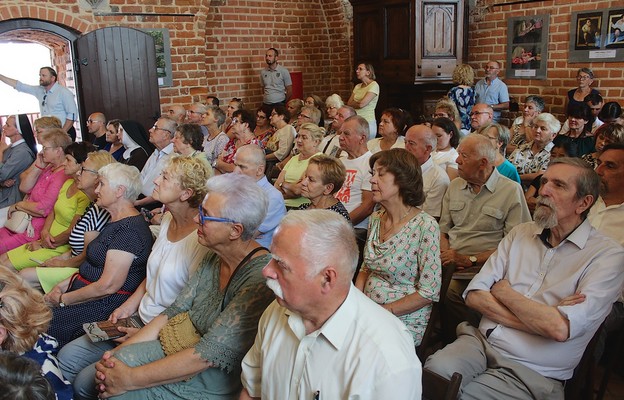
39 262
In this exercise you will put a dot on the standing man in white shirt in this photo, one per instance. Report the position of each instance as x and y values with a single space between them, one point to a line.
322 338
275 80
54 99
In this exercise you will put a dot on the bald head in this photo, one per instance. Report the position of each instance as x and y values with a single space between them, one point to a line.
176 113
420 141
250 160
481 115
96 124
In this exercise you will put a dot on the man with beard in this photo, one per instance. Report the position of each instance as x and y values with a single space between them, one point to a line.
54 99
543 294
323 338
275 80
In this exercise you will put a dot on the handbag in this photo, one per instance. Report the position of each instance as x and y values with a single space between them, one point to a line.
178 334
20 222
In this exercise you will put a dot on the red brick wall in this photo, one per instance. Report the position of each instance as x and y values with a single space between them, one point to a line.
219 49
488 38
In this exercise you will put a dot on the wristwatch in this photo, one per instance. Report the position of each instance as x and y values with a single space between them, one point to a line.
61 304
473 260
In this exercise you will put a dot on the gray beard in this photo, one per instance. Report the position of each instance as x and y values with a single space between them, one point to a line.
545 217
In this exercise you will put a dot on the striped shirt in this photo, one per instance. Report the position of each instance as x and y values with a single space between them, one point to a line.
93 219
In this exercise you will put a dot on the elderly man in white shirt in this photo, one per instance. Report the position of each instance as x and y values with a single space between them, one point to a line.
322 338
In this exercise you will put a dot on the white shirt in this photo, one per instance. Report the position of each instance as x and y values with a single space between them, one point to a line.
362 352
358 179
168 269
374 145
435 183
152 168
585 262
565 128
446 158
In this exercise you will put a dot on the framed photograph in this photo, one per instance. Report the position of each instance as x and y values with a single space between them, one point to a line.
163 55
615 30
597 36
527 47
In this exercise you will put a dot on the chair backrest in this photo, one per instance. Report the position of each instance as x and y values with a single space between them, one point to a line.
432 333
436 387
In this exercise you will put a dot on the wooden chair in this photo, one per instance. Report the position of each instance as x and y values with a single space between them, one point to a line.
436 387
581 385
432 338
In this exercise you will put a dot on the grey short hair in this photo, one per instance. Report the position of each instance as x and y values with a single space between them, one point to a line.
328 239
170 125
430 138
502 134
218 113
587 181
201 107
254 152
537 100
246 202
314 113
553 123
334 100
484 147
361 125
128 176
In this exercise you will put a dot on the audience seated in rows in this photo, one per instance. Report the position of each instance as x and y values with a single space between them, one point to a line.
393 124
499 135
15 157
216 139
448 139
322 179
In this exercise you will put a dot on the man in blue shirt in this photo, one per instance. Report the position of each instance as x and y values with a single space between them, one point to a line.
54 99
492 91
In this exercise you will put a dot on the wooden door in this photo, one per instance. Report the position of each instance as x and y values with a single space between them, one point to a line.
116 69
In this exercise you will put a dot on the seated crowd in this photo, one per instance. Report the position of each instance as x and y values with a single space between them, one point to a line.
285 254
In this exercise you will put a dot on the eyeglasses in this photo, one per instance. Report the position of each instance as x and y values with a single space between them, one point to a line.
439 115
156 128
305 116
472 114
83 169
583 77
193 112
45 96
44 148
203 218
235 120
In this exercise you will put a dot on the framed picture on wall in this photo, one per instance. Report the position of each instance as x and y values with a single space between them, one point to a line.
597 36
527 47
163 55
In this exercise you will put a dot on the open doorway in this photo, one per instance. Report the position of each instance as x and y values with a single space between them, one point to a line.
29 49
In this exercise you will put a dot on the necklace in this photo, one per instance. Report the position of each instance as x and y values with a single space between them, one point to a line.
386 232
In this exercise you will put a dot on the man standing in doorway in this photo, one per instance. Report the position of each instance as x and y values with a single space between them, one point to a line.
492 91
54 99
275 80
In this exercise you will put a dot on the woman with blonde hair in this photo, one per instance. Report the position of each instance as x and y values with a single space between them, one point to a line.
446 108
289 180
24 318
463 95
45 124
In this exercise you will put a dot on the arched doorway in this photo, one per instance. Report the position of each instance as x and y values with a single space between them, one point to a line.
112 70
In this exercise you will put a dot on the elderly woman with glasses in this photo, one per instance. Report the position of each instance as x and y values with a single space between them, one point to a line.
243 125
221 306
585 78
69 207
45 272
332 104
115 262
188 141
41 182
522 127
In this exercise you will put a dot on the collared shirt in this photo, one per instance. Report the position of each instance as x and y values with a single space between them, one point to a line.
494 93
362 352
59 101
478 222
274 82
153 167
435 183
275 213
358 179
585 262
526 162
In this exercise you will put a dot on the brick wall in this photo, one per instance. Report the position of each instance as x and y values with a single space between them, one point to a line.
218 46
488 39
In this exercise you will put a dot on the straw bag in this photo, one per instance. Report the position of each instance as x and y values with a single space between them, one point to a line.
20 222
178 334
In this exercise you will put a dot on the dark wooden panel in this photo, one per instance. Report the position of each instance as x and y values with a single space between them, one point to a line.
118 74
398 31
367 28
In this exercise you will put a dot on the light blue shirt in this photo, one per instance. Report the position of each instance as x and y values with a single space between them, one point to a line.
275 213
59 101
494 93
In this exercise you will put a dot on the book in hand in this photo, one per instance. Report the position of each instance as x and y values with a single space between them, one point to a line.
106 330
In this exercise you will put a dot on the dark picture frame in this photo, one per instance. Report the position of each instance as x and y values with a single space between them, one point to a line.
527 47
162 45
597 36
